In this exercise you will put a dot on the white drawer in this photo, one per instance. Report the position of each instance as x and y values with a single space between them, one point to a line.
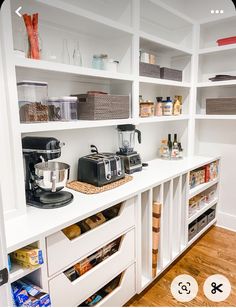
61 252
66 293
124 292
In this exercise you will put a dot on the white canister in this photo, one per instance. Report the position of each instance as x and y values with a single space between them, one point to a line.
111 65
168 107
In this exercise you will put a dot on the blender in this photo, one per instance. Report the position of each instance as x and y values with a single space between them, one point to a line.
126 136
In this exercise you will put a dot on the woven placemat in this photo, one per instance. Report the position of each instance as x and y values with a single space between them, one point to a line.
89 189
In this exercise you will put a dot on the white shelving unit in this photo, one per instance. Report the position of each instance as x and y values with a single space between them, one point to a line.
120 29
200 188
18 272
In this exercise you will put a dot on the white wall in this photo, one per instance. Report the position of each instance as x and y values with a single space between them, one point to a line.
106 139
219 138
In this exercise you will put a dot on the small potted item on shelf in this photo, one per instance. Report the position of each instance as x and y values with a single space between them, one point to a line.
32 97
146 109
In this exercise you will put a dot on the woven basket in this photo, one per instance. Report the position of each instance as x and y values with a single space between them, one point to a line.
149 70
103 106
171 74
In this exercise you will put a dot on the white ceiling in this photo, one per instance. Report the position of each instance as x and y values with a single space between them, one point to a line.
201 9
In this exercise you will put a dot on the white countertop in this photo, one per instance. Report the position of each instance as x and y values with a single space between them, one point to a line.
38 223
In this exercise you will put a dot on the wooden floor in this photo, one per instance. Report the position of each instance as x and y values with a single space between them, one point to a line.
214 253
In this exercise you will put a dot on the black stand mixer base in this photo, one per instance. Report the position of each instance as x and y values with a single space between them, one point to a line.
52 201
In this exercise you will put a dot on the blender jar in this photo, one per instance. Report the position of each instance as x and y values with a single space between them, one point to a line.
126 138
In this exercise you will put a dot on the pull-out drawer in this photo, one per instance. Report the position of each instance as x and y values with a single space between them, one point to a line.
124 292
66 293
62 251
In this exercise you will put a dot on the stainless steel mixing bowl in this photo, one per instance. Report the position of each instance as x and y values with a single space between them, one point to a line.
51 176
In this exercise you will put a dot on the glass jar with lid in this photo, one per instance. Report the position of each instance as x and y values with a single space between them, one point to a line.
62 108
32 96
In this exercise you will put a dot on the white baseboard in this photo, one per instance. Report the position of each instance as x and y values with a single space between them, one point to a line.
226 221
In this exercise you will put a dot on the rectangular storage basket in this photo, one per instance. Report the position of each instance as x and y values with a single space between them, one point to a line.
103 106
221 106
171 74
149 70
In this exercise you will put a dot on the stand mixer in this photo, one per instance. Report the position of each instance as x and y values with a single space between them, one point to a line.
44 180
126 135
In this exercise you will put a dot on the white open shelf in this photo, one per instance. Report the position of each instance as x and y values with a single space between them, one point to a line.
166 82
69 69
170 47
17 272
201 232
214 117
216 83
57 126
163 119
200 188
217 49
202 210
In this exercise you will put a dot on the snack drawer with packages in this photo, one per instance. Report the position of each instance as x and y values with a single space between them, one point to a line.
96 233
77 291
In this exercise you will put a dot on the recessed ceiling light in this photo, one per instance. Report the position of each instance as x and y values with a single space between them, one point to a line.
221 11
217 11
212 12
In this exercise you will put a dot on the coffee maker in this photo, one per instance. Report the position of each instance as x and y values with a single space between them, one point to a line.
44 180
126 136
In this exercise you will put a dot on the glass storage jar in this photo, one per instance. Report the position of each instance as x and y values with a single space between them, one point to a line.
62 108
32 96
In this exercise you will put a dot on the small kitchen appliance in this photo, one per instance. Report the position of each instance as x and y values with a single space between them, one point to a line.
126 136
100 168
44 180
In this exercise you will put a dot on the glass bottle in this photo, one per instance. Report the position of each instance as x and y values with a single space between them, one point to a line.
77 57
65 52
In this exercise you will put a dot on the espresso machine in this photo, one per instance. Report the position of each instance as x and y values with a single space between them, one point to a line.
45 179
126 136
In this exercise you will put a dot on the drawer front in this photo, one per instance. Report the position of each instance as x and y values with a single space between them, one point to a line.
124 292
58 243
65 293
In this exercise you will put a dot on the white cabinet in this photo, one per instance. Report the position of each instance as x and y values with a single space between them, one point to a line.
79 290
58 243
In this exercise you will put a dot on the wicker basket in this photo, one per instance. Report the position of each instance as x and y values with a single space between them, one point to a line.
221 106
103 106
149 70
171 74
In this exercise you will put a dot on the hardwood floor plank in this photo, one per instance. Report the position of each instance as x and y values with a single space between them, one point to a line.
214 253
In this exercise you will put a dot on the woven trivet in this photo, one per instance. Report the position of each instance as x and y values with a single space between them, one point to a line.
89 189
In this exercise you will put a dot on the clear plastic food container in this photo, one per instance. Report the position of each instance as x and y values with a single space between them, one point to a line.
32 96
62 108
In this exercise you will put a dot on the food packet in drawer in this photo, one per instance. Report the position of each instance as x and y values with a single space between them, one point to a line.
28 254
44 299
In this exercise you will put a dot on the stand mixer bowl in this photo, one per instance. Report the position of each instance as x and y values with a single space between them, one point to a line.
51 176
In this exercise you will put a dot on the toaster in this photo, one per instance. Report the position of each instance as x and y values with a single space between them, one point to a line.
100 169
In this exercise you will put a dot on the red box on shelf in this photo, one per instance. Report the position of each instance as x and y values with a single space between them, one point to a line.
226 41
